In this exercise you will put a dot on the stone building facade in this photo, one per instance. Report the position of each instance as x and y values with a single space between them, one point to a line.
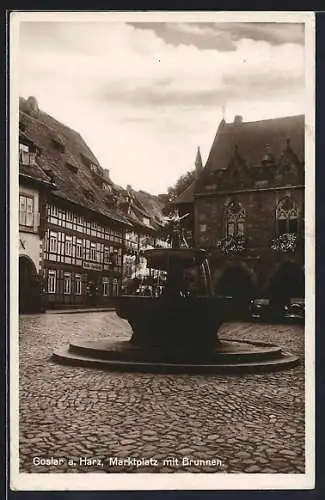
247 209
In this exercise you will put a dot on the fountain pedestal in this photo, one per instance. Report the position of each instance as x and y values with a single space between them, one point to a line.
178 331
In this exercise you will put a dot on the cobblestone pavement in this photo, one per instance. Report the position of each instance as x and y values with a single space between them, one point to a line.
247 423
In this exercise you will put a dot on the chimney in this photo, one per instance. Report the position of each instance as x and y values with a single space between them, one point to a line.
32 106
238 119
106 174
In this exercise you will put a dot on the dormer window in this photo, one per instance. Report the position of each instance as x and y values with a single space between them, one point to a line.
106 187
22 126
94 168
58 144
71 167
26 155
89 194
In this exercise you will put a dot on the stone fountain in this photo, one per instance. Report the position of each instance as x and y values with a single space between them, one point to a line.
178 330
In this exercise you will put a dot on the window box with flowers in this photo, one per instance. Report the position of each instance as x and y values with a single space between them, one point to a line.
286 242
234 244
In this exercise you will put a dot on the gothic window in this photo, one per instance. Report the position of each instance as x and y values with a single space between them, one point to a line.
286 217
235 218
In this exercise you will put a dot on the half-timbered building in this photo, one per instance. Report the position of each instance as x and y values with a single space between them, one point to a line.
85 217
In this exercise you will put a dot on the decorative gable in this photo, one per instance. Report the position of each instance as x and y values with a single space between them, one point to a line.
289 169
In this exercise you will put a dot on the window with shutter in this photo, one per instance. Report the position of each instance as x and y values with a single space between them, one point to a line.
26 211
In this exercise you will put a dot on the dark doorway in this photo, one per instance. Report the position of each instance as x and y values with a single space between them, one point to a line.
92 290
237 290
29 287
287 282
236 283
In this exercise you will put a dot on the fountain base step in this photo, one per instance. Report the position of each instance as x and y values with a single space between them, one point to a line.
229 356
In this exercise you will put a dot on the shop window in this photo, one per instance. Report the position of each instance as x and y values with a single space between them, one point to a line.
115 288
105 287
78 284
67 284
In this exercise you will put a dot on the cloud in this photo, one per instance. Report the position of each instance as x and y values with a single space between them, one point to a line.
223 36
142 103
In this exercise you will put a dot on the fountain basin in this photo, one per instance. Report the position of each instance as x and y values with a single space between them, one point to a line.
229 356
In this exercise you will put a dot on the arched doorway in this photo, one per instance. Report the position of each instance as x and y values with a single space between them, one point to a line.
287 282
236 283
29 287
236 287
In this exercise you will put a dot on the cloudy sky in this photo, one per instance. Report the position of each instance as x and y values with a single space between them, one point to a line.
144 95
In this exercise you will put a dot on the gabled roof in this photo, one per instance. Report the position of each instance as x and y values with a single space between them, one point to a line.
144 206
187 196
151 206
33 171
251 139
77 187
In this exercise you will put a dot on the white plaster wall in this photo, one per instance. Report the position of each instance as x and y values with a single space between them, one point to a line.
30 240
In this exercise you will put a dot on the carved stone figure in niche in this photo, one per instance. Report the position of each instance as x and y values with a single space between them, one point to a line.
289 166
268 158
